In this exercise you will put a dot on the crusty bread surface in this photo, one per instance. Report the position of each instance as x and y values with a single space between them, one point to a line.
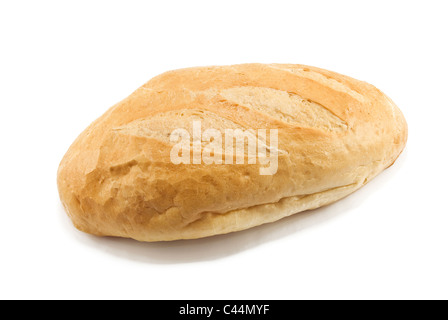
335 134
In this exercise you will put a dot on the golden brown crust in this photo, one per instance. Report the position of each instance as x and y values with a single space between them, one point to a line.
336 133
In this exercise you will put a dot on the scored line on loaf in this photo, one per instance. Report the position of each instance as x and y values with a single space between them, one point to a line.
161 125
321 78
287 107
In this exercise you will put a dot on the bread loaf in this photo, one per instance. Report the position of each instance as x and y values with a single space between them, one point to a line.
126 175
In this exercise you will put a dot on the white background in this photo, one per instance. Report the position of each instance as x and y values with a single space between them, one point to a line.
64 63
